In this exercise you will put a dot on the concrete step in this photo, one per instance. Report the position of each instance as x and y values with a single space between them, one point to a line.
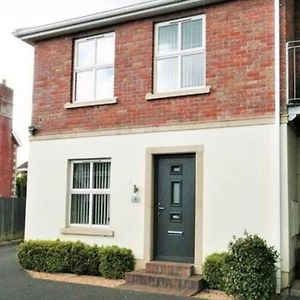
142 277
169 268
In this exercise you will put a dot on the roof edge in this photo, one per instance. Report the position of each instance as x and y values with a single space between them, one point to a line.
106 18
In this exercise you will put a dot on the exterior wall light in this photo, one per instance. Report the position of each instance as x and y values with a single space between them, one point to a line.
135 197
32 130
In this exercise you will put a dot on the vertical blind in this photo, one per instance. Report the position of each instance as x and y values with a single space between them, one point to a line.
90 193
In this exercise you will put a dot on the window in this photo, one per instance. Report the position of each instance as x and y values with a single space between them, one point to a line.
180 54
90 192
94 68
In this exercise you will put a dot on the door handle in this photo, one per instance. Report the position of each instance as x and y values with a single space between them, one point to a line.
161 208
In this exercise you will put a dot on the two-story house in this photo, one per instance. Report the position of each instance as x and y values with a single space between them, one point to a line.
8 143
164 127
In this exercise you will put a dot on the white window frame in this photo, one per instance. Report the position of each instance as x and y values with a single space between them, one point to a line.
93 68
179 53
90 191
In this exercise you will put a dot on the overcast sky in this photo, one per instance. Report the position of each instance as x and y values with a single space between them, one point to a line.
16 57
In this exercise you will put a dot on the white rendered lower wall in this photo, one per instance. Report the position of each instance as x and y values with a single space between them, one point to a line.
238 187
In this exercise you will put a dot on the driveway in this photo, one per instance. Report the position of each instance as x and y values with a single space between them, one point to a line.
15 284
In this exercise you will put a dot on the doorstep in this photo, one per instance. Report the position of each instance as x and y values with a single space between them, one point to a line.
166 278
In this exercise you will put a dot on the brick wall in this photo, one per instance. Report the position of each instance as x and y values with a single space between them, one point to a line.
240 56
7 146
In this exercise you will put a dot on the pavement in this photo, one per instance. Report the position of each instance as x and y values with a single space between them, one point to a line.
16 284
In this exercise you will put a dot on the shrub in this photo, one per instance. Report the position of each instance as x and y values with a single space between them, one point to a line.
250 267
214 270
75 257
115 262
40 256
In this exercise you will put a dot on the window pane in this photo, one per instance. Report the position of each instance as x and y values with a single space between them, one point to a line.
192 70
176 192
84 86
81 175
101 205
101 177
106 50
86 54
80 209
192 34
167 74
167 39
105 83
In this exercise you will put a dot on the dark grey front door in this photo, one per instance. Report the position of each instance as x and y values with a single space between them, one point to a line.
174 208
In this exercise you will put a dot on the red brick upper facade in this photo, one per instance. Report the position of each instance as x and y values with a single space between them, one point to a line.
239 69
7 143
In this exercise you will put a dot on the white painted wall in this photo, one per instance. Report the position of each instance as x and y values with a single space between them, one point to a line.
290 167
238 184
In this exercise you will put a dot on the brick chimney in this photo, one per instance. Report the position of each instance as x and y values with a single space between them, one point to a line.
7 144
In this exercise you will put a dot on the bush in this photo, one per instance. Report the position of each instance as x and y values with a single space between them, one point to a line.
40 256
115 262
214 270
74 257
250 267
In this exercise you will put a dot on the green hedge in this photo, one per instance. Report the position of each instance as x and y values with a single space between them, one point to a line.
115 262
75 257
214 270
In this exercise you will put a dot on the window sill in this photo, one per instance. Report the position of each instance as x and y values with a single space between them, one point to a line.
88 231
202 90
91 103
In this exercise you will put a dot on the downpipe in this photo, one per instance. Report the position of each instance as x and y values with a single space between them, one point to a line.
277 151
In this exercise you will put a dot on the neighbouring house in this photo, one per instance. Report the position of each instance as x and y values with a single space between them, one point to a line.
22 169
8 143
168 127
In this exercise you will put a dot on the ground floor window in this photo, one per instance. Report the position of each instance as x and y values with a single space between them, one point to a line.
90 192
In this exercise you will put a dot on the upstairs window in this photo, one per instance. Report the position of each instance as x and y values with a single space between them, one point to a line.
94 66
90 192
180 54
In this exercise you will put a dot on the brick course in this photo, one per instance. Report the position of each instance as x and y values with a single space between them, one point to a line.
240 70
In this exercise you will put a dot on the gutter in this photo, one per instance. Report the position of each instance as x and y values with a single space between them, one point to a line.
108 18
277 151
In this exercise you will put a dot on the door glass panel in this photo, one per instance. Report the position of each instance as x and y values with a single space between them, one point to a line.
176 170
176 192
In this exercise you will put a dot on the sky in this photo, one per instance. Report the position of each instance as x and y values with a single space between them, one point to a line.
16 57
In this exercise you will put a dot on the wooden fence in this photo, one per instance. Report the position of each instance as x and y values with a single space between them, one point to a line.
12 218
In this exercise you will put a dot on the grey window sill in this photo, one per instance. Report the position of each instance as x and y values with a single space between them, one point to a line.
87 231
90 103
198 91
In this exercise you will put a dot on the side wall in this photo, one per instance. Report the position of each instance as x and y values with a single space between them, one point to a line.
237 191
